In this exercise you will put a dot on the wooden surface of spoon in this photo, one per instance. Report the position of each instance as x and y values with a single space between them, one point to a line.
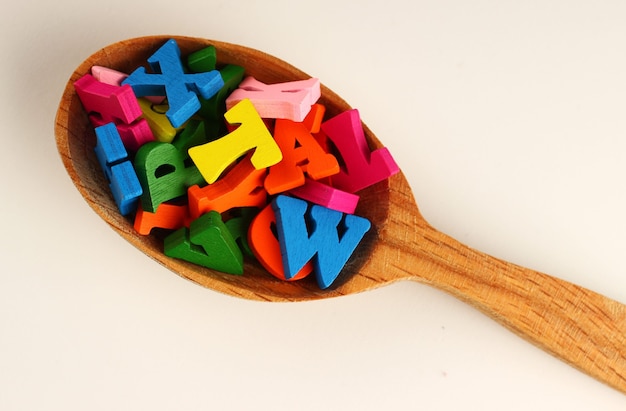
581 327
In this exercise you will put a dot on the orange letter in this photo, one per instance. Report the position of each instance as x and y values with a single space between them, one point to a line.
241 187
264 245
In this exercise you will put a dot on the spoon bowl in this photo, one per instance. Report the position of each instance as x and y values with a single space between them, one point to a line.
76 140
581 327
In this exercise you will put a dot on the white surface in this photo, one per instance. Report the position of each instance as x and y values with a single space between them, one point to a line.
508 119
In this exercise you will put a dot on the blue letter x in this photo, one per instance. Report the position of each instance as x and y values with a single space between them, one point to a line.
170 80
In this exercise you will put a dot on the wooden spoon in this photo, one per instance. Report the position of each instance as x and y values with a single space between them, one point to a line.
580 327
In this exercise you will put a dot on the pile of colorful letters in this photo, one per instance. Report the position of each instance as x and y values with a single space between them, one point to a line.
231 167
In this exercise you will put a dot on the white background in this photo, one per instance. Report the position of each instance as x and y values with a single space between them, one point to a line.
509 120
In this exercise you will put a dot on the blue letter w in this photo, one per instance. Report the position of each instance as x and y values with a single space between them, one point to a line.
329 237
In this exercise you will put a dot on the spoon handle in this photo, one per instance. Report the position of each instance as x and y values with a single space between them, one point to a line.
579 326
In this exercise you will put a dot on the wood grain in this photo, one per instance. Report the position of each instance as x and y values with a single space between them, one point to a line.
580 327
